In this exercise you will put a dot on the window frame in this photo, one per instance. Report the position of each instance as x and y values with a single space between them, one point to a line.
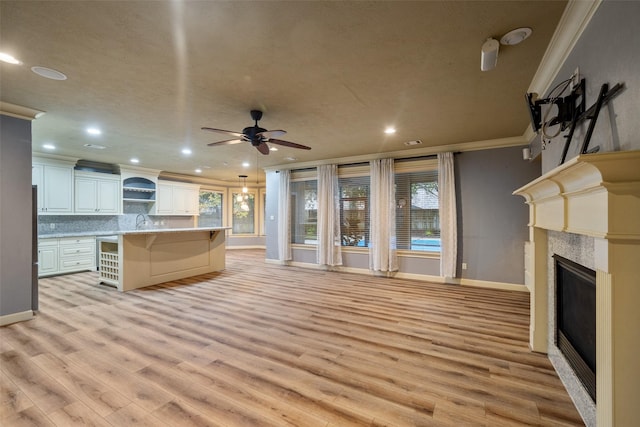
402 166
299 176
256 209
221 190
356 171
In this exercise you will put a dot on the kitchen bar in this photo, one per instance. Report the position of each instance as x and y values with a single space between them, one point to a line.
147 257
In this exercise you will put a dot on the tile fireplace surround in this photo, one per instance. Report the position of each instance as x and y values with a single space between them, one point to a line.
592 198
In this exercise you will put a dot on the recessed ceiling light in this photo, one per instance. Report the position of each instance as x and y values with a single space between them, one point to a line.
94 131
9 59
273 148
48 73
134 160
246 164
291 159
390 130
95 146
49 146
186 151
198 171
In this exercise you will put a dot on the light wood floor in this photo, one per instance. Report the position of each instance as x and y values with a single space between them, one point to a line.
265 345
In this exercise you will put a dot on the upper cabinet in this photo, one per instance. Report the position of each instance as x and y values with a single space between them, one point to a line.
97 193
177 198
138 189
55 185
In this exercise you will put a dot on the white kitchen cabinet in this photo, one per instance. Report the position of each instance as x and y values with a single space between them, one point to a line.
164 199
55 186
66 255
47 257
97 193
175 198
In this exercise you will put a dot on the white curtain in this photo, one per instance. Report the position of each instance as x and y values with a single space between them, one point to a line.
382 215
329 250
448 216
284 216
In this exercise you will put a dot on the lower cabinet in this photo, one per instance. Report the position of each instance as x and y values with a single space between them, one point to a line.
66 255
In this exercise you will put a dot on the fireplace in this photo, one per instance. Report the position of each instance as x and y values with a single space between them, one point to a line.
575 332
597 197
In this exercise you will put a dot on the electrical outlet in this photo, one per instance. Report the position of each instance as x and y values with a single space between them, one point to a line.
575 78
52 226
464 265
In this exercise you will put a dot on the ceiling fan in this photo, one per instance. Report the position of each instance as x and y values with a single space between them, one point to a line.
257 136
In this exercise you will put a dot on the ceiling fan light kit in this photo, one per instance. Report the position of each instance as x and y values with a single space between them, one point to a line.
257 136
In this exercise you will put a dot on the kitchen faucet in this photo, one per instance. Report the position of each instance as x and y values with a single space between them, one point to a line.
141 221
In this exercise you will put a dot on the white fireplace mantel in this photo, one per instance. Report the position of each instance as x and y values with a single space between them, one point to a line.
592 194
596 195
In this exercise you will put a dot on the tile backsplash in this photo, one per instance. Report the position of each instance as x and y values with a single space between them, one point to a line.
56 224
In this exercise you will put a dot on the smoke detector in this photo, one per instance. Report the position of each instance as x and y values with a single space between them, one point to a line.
414 142
515 36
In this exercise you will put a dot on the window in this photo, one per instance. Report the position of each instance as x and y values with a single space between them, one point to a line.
243 213
417 211
304 212
354 211
210 208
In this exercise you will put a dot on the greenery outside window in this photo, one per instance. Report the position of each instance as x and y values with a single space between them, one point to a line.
243 213
304 212
417 211
354 211
211 208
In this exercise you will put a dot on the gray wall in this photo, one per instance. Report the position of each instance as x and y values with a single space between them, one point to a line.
608 52
492 223
271 226
15 215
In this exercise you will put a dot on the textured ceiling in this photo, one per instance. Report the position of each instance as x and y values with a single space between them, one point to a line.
333 74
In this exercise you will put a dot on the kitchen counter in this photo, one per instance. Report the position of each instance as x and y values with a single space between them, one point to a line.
119 232
76 234
148 257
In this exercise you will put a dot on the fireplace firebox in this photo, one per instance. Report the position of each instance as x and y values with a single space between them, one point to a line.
576 319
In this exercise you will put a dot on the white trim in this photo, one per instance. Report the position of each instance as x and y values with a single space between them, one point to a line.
513 141
19 112
8 319
409 276
573 22
233 247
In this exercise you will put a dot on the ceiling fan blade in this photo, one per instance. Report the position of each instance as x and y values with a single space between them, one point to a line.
288 144
225 142
228 132
272 133
263 148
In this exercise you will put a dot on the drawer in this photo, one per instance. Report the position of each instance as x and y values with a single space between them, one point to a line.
77 241
77 250
87 263
47 242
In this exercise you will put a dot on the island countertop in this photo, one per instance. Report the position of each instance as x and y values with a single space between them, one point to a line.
123 232
169 230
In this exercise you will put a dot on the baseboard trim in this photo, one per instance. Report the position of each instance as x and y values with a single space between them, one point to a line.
408 276
245 247
8 319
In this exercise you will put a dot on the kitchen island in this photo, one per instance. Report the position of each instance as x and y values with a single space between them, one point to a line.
139 258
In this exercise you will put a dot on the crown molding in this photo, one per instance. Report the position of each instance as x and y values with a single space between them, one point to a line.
20 112
488 144
574 20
